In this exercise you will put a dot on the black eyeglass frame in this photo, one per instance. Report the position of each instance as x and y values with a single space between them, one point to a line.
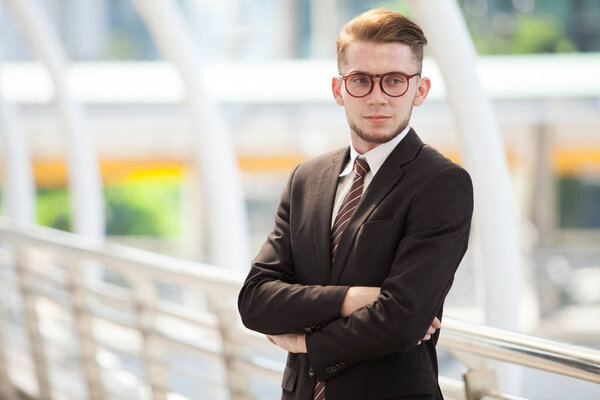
380 76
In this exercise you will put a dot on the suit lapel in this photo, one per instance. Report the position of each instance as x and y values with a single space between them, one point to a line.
324 198
383 182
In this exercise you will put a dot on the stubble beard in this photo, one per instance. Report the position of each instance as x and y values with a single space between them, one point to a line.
379 139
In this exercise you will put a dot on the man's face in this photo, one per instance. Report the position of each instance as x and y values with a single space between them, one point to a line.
377 117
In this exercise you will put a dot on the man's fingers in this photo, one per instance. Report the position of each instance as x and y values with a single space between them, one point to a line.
435 325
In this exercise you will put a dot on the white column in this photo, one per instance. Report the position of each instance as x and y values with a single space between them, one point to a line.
494 218
85 188
215 156
324 28
86 27
18 188
18 198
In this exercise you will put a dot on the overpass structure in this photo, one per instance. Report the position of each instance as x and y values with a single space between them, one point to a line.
91 291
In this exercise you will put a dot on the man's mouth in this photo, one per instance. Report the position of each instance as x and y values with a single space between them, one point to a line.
377 119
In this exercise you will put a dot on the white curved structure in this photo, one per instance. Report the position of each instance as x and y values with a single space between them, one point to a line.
494 222
215 159
19 188
85 188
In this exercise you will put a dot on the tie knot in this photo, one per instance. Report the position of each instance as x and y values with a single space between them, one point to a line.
361 166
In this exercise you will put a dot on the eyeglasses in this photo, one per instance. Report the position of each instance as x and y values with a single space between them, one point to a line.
394 84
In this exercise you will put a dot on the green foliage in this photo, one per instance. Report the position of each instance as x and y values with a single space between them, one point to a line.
578 199
140 208
400 6
122 46
53 208
143 208
540 34
531 34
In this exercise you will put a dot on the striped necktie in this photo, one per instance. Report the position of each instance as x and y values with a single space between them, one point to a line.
347 208
349 204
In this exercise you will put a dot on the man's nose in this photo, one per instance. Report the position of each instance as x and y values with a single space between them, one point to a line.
377 95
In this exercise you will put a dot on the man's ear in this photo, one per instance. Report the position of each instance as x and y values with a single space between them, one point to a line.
336 89
422 91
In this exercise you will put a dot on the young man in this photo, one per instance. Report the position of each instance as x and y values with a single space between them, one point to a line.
352 279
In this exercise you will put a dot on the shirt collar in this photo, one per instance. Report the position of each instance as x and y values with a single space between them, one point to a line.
376 156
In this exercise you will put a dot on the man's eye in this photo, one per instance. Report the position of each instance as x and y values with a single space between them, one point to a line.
360 81
396 81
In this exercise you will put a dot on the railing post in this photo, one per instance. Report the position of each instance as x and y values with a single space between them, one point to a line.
7 390
480 380
83 322
152 349
224 315
32 323
479 383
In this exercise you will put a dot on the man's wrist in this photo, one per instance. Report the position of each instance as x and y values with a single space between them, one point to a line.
343 311
357 297
302 343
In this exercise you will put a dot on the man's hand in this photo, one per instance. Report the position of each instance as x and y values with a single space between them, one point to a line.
358 297
435 325
292 342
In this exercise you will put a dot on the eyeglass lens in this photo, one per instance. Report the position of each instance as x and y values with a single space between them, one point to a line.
393 84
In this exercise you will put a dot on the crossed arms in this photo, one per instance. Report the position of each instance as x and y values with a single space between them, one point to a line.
356 297
345 323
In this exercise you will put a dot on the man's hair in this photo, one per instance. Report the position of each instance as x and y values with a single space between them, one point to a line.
382 26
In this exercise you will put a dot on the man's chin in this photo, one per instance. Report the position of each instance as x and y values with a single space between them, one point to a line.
378 138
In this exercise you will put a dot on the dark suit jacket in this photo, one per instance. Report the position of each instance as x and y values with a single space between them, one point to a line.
408 235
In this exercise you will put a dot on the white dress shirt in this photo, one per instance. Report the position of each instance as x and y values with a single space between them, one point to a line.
375 158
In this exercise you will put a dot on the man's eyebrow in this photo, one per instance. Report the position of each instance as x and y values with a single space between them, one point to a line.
369 73
359 72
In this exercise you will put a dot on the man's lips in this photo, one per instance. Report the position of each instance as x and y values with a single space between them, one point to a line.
377 119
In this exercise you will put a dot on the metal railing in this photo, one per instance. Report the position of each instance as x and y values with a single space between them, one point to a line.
160 327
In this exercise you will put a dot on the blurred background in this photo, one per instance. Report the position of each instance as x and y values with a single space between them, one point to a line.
266 67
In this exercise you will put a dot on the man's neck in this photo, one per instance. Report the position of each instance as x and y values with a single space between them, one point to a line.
362 146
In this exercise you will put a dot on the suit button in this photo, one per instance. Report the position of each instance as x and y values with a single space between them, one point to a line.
331 369
311 372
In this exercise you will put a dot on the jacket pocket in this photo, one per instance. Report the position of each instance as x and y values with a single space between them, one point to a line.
372 253
290 375
403 385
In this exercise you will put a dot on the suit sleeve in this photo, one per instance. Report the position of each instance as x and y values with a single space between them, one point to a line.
434 242
270 300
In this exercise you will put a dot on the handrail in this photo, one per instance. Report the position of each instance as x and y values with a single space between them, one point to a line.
171 269
531 351
457 336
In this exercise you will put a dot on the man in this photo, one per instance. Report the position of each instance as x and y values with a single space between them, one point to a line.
352 279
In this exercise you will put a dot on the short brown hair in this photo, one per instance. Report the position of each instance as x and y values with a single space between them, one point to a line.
382 26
